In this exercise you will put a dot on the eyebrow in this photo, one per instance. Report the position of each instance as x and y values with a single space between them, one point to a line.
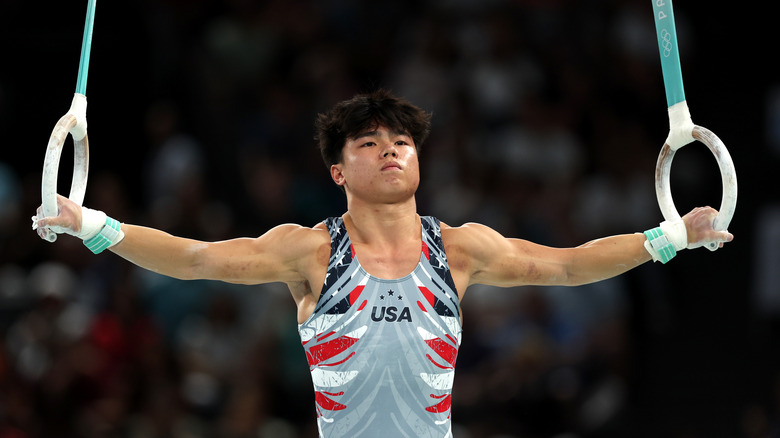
375 132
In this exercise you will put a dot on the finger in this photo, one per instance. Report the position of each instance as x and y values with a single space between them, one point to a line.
48 235
725 236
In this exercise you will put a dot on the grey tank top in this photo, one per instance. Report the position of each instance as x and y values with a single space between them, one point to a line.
382 352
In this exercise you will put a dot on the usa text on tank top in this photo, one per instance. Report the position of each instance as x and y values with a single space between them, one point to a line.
382 352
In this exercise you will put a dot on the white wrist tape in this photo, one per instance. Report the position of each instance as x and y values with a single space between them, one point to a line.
676 233
664 241
99 231
92 221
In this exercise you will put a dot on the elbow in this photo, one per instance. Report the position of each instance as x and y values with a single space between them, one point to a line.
574 279
193 263
568 278
547 274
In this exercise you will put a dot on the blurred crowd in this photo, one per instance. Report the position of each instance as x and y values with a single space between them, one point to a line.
548 116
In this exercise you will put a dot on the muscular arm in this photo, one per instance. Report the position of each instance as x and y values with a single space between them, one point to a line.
499 261
274 256
480 255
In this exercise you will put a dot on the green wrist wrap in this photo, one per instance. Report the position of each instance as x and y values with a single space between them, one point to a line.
662 248
108 235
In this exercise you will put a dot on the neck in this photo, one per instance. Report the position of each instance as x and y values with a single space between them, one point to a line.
383 223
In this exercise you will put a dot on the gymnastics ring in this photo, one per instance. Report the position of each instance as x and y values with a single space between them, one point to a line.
74 122
728 179
68 124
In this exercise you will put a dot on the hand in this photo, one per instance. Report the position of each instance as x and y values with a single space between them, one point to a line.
698 224
68 220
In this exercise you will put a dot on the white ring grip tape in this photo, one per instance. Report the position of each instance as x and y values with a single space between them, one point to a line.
680 126
78 108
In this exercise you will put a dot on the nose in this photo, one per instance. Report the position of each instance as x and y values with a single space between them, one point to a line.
390 150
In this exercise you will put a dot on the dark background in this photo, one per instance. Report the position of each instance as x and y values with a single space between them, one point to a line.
548 117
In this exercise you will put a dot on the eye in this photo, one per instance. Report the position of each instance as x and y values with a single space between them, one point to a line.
368 144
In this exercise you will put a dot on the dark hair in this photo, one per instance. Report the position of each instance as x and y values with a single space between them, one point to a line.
366 112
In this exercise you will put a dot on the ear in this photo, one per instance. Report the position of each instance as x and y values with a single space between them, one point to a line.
337 175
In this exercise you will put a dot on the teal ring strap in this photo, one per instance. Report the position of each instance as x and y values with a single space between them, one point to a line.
86 44
670 55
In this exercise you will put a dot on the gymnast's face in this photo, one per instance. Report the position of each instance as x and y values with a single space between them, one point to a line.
378 165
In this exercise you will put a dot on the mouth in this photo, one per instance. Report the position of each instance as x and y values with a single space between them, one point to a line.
391 166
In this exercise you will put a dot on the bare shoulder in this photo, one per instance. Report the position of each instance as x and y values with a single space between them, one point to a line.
306 251
318 231
467 246
470 236
292 241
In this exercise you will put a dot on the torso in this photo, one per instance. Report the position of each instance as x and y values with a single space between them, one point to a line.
382 352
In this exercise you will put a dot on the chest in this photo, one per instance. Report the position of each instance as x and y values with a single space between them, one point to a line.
388 263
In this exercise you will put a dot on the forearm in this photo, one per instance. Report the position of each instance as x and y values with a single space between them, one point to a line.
159 251
606 258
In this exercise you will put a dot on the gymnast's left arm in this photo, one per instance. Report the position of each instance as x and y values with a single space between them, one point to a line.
492 259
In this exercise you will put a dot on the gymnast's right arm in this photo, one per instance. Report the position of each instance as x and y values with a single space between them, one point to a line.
278 255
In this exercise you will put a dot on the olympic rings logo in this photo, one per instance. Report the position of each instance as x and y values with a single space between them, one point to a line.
666 42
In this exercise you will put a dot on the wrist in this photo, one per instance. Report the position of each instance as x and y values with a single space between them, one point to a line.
664 241
92 221
676 233
99 231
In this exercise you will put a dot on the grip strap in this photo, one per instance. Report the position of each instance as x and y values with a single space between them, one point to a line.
664 241
110 234
657 245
